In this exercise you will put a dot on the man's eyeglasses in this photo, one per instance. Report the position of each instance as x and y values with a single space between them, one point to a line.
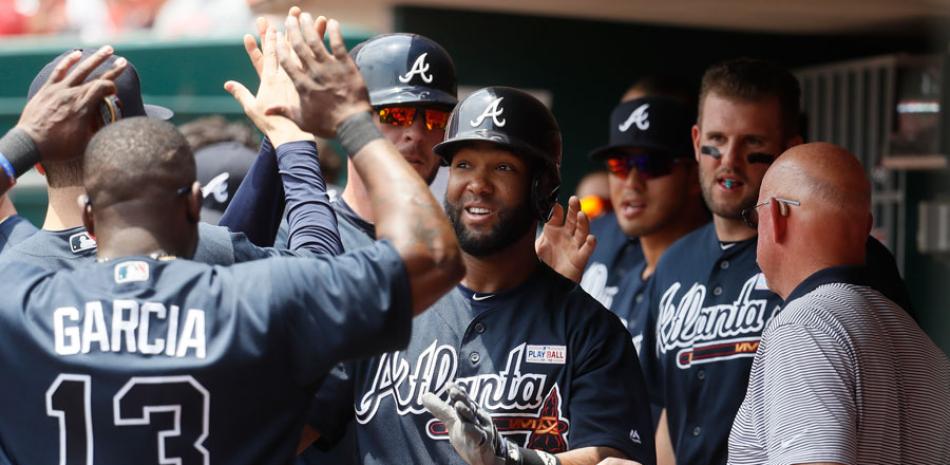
404 116
648 166
751 215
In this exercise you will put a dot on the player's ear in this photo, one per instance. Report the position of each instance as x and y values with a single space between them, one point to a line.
87 219
696 141
779 216
194 203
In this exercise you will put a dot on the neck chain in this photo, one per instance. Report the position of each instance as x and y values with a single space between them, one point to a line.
159 255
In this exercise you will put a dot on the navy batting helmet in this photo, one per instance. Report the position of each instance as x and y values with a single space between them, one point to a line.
518 122
406 69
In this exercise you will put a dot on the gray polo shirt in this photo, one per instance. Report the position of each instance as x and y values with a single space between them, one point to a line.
844 375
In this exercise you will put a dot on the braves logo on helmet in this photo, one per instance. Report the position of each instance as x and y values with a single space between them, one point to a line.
546 429
419 67
638 117
493 110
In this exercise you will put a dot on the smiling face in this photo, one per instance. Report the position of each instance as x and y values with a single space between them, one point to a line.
487 198
733 141
415 144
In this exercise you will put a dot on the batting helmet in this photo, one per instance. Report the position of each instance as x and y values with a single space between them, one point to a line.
518 122
406 69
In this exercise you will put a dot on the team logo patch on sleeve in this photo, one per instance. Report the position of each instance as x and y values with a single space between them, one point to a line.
552 355
81 242
130 272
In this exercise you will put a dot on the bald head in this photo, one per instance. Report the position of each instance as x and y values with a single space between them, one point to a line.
828 228
137 159
822 176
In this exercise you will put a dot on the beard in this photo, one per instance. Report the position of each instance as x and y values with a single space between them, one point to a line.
512 225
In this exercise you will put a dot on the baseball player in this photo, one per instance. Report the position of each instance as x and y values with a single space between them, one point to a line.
145 355
552 375
58 109
412 87
654 184
708 300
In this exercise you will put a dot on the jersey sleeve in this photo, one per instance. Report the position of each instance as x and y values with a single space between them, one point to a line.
339 308
332 407
802 389
258 205
608 404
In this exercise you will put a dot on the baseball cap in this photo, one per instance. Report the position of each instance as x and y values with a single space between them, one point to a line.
128 90
221 169
659 124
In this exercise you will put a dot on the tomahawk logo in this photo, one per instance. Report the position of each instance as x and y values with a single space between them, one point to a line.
714 333
545 429
421 68
638 117
494 111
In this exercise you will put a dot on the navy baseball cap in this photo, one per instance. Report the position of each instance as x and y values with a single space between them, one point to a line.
128 90
221 167
660 125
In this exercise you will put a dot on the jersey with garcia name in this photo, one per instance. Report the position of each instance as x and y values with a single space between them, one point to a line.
708 305
146 361
555 370
610 264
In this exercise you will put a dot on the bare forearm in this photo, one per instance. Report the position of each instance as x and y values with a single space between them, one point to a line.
589 456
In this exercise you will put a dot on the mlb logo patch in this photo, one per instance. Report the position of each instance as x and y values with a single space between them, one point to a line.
81 242
551 355
130 272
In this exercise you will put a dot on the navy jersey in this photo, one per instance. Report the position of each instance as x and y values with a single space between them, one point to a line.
13 230
613 258
145 361
708 305
70 248
554 368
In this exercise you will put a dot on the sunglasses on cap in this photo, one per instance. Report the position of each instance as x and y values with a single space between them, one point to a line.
648 166
404 117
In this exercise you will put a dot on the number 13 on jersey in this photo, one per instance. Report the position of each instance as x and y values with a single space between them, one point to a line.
68 400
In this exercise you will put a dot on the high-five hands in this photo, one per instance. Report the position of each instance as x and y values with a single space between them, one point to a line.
275 91
330 86
565 243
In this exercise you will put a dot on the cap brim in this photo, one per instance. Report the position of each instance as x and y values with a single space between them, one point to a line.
601 153
158 112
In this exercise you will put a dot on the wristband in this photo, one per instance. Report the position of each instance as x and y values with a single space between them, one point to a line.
357 131
19 151
515 455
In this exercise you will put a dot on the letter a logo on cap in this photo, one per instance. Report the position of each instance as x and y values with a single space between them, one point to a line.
638 117
421 68
492 110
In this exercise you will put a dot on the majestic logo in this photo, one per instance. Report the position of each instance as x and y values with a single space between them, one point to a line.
421 68
710 334
546 428
217 187
494 111
81 242
638 117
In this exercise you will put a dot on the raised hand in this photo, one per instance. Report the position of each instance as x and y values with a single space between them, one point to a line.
330 86
565 243
64 111
275 91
